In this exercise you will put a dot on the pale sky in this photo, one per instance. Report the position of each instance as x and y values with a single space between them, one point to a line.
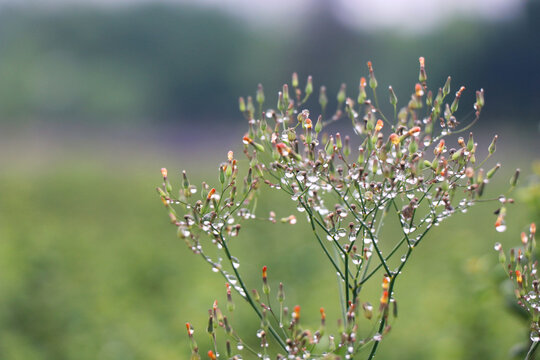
408 15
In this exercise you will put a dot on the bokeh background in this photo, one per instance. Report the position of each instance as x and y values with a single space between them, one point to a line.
97 96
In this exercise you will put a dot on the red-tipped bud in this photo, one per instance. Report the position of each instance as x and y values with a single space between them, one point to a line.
296 313
394 138
379 125
164 172
524 238
211 355
308 124
211 193
384 299
230 155
439 149
386 283
323 314
519 277
264 272
363 82
283 149
533 229
414 130
418 90
189 329
247 140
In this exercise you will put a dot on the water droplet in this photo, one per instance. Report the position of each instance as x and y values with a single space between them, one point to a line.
497 247
235 262
377 337
240 346
501 228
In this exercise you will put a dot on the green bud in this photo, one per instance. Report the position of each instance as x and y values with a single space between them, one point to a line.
341 94
186 181
492 172
393 97
429 98
339 143
286 95
281 293
258 146
492 146
502 257
318 125
480 99
514 179
446 87
309 86
330 146
210 328
250 107
372 79
323 100
457 154
470 143
347 147
260 94
280 103
402 115
294 80
361 156
413 147
161 192
221 175
241 104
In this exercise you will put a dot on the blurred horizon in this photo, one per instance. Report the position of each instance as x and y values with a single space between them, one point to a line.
168 63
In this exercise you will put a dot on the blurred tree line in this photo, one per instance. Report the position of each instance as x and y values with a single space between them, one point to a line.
172 63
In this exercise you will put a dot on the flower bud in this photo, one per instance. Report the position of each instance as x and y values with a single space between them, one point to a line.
446 87
260 94
514 179
372 79
323 100
393 97
362 88
492 172
309 86
341 94
422 76
455 103
492 146
294 80
241 104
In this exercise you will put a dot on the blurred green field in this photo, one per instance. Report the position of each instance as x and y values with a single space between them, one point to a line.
90 268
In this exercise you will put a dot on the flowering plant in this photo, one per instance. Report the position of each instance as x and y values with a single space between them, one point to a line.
403 173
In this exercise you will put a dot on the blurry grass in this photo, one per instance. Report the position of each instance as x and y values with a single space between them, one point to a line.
91 269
